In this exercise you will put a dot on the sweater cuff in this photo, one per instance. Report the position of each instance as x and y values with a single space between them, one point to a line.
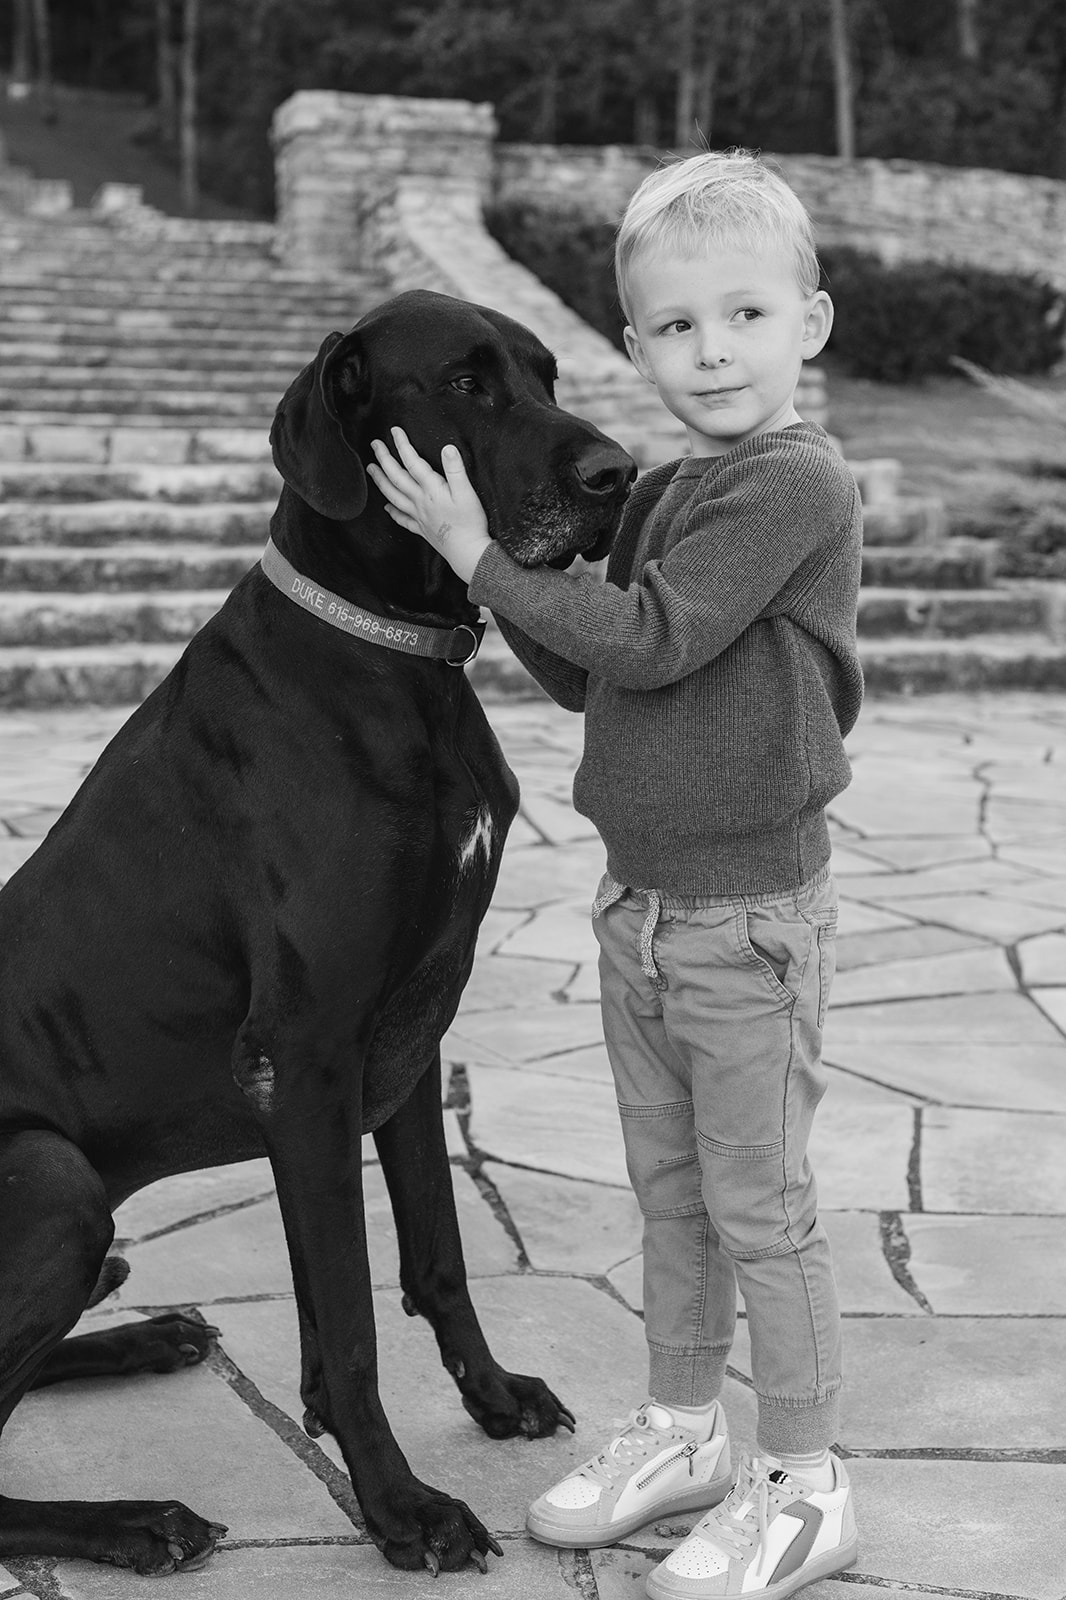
490 576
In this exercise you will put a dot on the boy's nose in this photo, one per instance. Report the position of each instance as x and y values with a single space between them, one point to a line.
714 356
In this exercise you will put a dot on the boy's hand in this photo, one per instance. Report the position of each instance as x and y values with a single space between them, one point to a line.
445 511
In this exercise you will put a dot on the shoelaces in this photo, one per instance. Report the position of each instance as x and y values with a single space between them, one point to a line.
742 1518
637 1438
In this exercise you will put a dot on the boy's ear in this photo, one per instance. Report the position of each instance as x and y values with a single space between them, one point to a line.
636 354
817 324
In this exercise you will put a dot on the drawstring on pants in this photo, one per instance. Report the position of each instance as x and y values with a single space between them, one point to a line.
609 896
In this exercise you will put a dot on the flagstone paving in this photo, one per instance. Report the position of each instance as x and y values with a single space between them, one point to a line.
940 1151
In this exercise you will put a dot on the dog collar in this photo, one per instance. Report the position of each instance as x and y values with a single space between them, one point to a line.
454 646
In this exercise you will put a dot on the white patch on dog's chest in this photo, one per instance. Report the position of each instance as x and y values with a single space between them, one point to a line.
476 838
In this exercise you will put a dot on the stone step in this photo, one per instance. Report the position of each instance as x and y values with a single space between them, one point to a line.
952 564
174 349
907 520
109 521
112 381
97 283
111 675
53 481
951 613
201 302
132 316
47 440
100 407
116 569
63 621
121 674
995 661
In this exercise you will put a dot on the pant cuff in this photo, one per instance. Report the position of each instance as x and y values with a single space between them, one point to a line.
794 1428
686 1377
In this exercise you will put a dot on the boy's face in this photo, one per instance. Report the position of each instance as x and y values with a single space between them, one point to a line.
722 336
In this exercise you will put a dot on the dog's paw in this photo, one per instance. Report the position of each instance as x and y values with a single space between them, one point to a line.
447 1535
167 1342
516 1404
152 1537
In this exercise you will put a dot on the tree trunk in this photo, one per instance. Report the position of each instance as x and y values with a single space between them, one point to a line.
969 43
645 121
705 99
190 182
845 107
166 73
22 44
685 93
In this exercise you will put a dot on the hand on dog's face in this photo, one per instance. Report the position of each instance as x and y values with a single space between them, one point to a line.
445 511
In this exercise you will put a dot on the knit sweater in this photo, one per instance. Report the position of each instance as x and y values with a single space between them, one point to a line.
717 665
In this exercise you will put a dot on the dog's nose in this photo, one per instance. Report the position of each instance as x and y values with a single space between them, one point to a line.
604 471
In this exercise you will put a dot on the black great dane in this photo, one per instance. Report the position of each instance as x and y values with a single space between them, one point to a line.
252 925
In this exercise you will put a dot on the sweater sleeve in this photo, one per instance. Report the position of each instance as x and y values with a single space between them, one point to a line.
565 682
749 526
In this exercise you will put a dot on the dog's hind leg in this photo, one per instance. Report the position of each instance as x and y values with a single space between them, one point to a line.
56 1227
414 1160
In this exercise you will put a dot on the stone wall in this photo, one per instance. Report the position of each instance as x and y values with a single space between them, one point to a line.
1002 221
397 186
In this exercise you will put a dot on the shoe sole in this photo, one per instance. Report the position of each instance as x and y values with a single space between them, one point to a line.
589 1538
825 1566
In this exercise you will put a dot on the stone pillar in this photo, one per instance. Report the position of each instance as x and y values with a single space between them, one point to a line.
344 160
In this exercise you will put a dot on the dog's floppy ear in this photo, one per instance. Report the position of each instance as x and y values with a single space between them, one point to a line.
306 437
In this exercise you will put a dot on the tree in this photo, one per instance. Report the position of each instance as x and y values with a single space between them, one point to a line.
844 101
190 178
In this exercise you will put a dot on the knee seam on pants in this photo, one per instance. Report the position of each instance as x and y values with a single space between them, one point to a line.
783 1248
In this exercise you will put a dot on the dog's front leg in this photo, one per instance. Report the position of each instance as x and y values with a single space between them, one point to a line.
312 1134
414 1159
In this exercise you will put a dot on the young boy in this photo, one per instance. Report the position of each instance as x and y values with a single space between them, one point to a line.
718 673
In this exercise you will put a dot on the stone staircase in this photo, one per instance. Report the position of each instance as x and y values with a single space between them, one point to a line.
141 359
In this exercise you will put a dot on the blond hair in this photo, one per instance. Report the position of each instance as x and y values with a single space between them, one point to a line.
717 197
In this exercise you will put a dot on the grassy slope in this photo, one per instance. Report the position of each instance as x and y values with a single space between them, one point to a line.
93 140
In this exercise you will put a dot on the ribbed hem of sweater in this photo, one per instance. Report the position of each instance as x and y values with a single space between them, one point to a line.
771 860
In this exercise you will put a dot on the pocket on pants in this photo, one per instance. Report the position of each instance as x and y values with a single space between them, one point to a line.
777 941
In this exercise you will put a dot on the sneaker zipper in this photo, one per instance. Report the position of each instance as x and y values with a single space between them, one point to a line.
688 1450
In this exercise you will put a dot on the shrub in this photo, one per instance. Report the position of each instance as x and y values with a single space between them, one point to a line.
896 323
903 322
571 254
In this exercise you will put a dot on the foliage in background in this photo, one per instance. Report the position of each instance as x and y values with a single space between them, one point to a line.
893 323
902 322
966 82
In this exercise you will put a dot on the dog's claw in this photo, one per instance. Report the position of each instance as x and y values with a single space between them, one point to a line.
495 1546
479 1561
431 1562
314 1427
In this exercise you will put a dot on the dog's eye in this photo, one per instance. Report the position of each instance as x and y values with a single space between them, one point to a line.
465 385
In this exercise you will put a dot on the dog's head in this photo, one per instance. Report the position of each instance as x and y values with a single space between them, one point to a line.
552 485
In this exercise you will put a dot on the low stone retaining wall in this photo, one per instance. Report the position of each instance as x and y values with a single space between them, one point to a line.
912 210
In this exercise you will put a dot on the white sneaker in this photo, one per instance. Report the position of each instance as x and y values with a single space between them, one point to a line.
654 1467
770 1537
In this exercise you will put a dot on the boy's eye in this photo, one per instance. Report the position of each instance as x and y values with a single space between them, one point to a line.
750 314
679 325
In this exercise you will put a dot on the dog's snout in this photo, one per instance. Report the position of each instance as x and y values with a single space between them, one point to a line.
604 472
